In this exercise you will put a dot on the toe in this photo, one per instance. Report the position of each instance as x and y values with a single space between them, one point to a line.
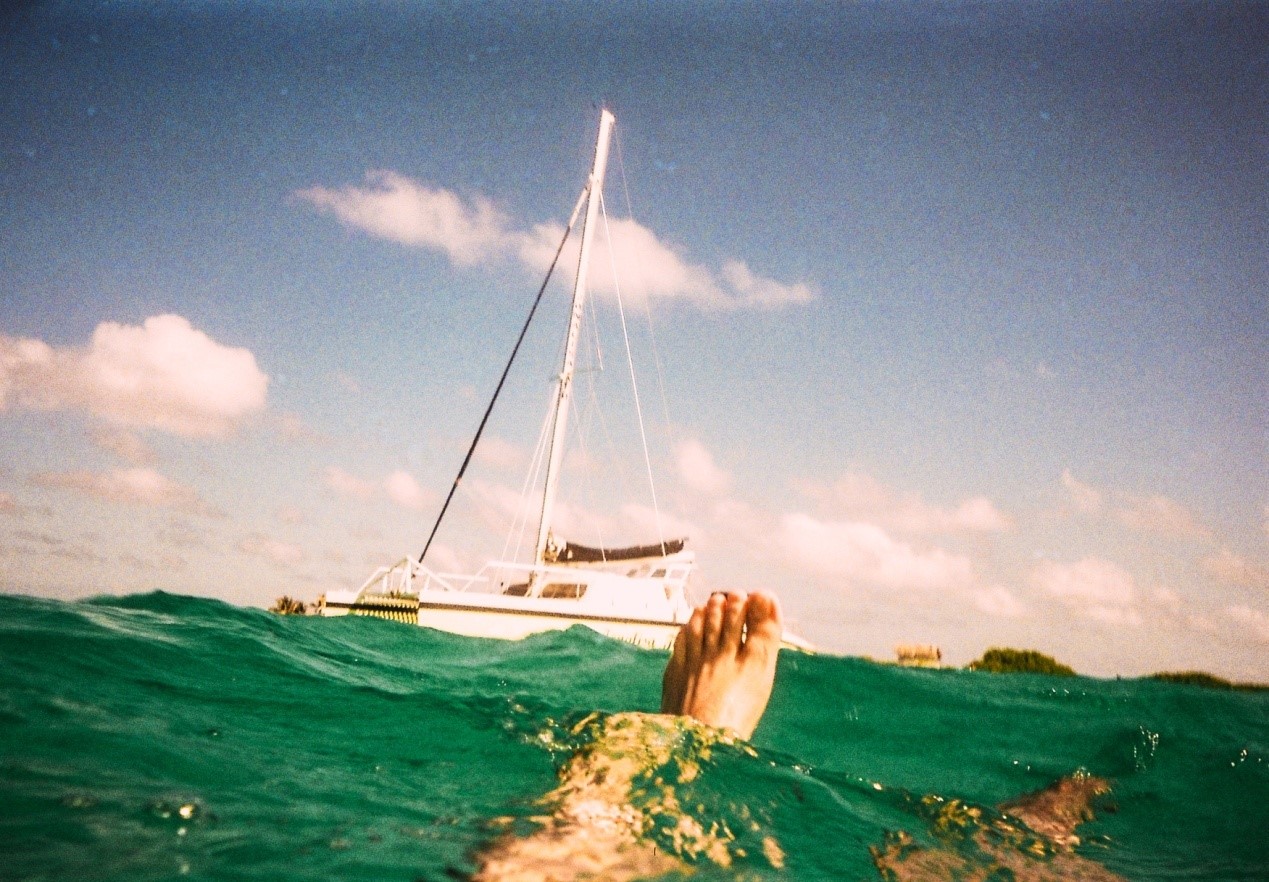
763 623
673 682
712 637
733 623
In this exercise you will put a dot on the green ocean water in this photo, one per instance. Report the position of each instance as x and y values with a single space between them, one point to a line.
164 737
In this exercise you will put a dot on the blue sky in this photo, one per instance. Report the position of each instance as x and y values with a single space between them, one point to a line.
950 319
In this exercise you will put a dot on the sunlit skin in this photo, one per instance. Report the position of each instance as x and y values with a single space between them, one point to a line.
722 669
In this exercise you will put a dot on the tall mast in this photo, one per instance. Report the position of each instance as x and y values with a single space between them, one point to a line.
565 392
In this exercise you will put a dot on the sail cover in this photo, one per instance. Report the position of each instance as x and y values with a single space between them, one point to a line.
573 553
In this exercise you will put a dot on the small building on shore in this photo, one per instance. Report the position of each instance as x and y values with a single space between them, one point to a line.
919 655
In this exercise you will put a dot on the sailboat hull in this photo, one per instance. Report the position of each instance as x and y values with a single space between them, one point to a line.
471 617
518 624
496 618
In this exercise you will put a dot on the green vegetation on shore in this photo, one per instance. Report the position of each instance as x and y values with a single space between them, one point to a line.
1002 660
1207 681
288 606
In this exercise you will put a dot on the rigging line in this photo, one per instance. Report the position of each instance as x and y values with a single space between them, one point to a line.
643 437
647 301
506 370
621 164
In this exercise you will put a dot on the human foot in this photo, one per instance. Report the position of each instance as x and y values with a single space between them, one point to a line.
723 664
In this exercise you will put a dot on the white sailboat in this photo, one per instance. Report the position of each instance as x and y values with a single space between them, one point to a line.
637 594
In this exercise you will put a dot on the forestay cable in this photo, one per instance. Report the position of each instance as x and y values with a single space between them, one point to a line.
506 370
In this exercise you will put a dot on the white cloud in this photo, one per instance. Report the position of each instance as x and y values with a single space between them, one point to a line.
1167 600
862 497
499 453
135 486
347 485
744 289
293 428
1096 588
291 515
1233 569
399 486
396 208
865 552
442 558
978 515
497 503
648 269
697 469
1085 498
641 523
274 550
471 231
405 491
1253 619
163 375
998 601
1159 514
124 444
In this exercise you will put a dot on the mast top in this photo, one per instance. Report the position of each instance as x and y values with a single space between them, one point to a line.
564 394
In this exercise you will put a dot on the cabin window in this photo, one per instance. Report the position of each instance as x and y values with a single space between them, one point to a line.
659 574
517 590
571 590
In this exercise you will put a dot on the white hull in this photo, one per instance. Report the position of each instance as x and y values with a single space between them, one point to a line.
518 624
500 618
644 605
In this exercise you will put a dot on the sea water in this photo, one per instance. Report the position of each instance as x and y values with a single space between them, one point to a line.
164 737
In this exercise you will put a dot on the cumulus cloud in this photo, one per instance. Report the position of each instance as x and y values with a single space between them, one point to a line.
396 208
293 428
163 375
135 486
1152 513
496 502
863 497
1234 569
1167 600
1095 588
405 491
998 601
631 256
499 453
347 485
1253 620
291 515
644 524
858 551
698 471
473 230
1084 497
1159 514
744 289
123 444
274 550
399 486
